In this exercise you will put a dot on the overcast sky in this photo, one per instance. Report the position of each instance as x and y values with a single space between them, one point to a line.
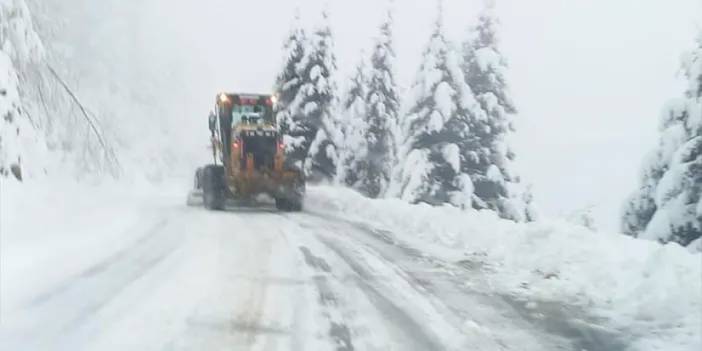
589 76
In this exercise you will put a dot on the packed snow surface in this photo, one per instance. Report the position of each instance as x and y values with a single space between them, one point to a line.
130 267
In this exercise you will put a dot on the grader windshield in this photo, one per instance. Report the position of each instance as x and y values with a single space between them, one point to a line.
242 110
238 109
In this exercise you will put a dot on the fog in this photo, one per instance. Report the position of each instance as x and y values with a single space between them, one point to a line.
589 77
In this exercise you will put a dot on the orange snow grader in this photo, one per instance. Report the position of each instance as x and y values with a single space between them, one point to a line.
249 156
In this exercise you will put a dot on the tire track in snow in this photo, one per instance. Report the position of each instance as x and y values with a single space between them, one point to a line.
413 333
97 268
350 321
567 327
338 331
74 302
413 330
232 311
211 294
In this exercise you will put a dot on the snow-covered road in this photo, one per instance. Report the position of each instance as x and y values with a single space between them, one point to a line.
176 278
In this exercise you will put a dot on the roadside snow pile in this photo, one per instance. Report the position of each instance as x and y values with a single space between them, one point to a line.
648 290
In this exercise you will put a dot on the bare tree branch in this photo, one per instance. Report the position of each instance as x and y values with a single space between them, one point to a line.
43 99
108 151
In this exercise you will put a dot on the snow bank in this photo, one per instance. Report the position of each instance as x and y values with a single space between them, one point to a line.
644 289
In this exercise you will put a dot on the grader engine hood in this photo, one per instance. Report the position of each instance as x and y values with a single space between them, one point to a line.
260 144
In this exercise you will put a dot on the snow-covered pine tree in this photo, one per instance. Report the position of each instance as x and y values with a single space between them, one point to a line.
296 132
20 46
668 205
382 115
497 187
317 100
353 148
437 129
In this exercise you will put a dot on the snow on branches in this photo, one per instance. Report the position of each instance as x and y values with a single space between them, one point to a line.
667 207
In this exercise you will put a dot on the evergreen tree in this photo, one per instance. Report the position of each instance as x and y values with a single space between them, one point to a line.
382 115
10 108
668 205
354 148
437 130
20 47
490 162
295 131
317 99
